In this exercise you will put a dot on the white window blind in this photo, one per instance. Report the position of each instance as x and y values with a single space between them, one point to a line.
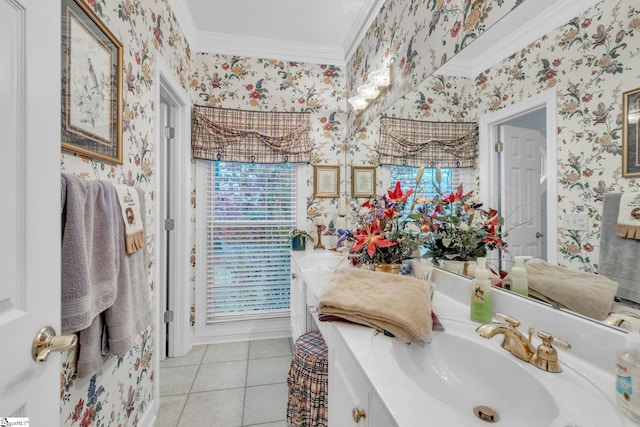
450 179
251 209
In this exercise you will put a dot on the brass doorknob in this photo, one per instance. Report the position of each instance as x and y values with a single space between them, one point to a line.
46 341
358 414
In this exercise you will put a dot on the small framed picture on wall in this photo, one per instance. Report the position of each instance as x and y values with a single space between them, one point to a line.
630 133
326 181
363 181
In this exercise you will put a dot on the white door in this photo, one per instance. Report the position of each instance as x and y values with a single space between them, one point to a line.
523 190
167 213
30 206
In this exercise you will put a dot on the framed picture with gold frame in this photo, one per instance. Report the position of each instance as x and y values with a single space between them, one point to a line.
91 85
326 181
630 133
363 181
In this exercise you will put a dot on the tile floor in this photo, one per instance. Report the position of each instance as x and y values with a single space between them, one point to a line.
228 385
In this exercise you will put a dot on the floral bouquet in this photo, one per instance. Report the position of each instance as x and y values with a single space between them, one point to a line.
385 235
459 228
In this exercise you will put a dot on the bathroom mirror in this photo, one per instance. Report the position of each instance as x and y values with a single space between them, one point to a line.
448 95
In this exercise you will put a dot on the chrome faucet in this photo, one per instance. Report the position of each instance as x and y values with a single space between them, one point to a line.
514 341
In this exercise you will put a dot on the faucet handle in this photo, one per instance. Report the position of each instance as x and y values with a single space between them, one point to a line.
508 319
546 357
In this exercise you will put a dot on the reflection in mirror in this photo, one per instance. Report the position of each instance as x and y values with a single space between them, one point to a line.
589 139
519 155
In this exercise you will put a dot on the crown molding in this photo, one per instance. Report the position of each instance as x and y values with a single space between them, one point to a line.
254 47
366 15
183 15
286 50
525 24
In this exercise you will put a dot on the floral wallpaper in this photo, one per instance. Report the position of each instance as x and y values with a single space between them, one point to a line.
122 391
415 37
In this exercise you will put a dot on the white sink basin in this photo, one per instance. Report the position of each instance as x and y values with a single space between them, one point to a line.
462 371
323 262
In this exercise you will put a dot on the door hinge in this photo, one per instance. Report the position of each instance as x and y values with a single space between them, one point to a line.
169 224
499 147
169 132
168 316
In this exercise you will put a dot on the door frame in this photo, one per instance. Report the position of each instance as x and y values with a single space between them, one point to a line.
489 134
167 87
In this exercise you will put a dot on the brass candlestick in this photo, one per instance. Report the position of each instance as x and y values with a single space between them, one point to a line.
319 245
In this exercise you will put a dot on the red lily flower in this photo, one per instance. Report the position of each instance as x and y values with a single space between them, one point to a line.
493 222
456 195
389 212
370 236
495 240
396 195
368 204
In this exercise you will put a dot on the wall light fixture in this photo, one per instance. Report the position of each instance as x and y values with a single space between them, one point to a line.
376 83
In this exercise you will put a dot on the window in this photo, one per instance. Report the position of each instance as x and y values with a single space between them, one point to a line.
450 179
247 214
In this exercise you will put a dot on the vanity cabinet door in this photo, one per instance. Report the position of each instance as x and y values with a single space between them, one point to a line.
378 414
348 393
352 400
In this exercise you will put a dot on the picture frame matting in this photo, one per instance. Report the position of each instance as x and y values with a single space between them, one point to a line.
326 181
91 119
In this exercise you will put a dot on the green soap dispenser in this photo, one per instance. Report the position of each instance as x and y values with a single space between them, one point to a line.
519 281
481 301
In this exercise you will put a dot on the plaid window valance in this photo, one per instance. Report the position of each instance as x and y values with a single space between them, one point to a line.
422 143
250 136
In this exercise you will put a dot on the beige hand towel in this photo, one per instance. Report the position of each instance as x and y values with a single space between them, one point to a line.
398 304
130 209
585 293
629 216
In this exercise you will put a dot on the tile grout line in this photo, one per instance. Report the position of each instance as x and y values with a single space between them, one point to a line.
192 384
246 381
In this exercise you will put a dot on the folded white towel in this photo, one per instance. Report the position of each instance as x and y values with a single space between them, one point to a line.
130 209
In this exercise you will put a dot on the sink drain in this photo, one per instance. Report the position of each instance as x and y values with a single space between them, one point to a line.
486 414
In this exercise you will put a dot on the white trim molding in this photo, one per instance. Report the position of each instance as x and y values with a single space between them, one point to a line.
286 50
488 129
525 24
168 86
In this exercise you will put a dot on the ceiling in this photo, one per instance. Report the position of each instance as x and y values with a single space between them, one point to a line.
326 31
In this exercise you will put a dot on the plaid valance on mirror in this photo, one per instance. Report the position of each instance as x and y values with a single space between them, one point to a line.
422 143
250 136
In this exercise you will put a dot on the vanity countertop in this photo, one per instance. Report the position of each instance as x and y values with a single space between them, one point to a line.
405 398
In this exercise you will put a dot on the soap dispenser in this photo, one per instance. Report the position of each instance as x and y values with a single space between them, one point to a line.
519 281
628 376
481 301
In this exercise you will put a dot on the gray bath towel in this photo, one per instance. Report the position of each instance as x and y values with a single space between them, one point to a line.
90 258
130 313
105 292
618 255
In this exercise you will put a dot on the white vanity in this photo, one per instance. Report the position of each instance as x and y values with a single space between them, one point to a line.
460 378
